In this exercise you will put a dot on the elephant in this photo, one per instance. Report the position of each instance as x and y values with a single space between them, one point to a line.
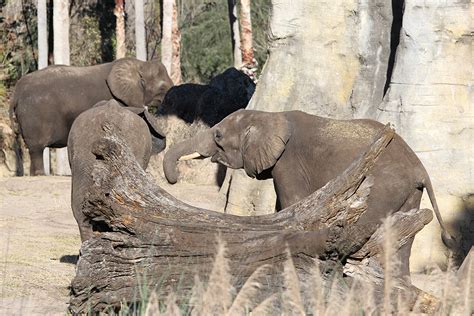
134 125
225 93
302 152
46 102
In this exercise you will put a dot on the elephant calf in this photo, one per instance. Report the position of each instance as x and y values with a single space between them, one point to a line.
133 125
302 152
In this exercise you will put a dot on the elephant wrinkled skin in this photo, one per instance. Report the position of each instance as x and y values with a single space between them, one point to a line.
46 102
302 152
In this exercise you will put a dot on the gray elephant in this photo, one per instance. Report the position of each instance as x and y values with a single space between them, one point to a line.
302 152
225 94
134 125
47 102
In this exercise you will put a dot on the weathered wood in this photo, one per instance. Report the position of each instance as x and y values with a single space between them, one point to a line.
145 238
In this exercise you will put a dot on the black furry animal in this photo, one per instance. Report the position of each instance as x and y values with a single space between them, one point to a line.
225 94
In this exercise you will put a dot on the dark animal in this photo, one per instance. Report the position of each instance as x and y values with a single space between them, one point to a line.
46 102
225 94
133 125
302 152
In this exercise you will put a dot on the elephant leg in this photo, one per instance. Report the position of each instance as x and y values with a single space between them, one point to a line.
403 254
36 157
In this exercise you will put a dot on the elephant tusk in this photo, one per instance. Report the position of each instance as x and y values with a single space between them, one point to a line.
189 157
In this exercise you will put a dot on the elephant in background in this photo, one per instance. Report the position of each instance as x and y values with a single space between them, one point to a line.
134 125
225 94
302 152
46 102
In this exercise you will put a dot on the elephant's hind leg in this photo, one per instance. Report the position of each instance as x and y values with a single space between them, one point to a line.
36 166
403 254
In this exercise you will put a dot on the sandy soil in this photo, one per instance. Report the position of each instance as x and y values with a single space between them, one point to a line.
39 241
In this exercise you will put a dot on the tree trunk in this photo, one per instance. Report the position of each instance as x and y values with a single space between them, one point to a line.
171 41
140 31
247 41
146 238
43 61
234 33
176 45
167 35
119 12
61 57
249 63
430 101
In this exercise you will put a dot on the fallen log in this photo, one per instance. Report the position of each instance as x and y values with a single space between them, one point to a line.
145 239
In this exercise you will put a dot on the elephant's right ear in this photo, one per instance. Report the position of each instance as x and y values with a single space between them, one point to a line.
264 143
150 120
126 83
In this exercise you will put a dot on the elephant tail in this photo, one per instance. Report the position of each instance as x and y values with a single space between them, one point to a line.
18 139
448 240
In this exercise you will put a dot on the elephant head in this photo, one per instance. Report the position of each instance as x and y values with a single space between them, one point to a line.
158 137
251 140
136 83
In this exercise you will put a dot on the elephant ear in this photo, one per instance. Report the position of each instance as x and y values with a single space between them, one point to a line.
150 120
126 82
264 143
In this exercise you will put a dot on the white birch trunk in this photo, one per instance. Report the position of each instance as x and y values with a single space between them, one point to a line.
43 61
140 30
61 57
167 38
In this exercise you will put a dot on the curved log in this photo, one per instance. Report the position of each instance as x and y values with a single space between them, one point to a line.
147 239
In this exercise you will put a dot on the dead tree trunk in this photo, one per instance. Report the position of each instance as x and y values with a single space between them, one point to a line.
145 238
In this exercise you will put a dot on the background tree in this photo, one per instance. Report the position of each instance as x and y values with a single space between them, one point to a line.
167 35
176 46
171 41
120 29
140 31
61 57
234 33
248 58
43 60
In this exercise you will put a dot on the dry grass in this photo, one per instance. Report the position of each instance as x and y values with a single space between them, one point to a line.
324 296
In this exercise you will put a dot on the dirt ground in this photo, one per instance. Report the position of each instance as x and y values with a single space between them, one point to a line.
39 242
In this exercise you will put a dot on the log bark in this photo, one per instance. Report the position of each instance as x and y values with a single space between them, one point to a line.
145 238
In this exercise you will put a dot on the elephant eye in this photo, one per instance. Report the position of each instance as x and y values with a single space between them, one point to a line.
217 135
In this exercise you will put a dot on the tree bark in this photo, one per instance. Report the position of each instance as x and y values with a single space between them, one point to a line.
234 33
43 61
167 35
247 38
176 46
61 57
143 233
140 30
430 102
119 13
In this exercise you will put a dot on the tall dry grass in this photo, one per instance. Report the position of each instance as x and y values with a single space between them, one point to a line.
323 295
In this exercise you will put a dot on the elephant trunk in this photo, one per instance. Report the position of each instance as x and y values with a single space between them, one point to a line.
203 144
